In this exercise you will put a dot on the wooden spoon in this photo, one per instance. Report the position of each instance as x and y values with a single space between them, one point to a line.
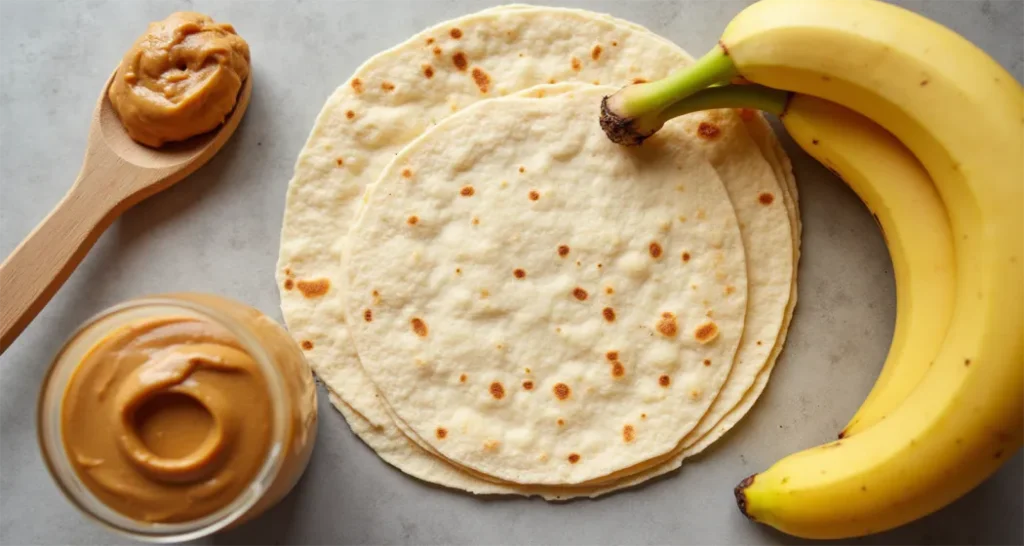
116 174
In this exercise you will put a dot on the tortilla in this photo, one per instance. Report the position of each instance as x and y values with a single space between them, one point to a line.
363 125
539 304
322 201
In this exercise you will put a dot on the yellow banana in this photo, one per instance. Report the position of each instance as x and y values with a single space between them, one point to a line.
962 116
894 187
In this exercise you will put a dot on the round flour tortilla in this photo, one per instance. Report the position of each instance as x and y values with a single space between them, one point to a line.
539 304
363 125
322 200
405 453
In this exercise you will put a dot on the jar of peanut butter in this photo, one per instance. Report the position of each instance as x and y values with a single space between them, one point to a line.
171 417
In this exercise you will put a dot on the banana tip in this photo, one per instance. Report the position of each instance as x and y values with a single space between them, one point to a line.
741 495
620 130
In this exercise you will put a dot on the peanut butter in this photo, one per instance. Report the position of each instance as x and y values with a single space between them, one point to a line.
179 406
180 79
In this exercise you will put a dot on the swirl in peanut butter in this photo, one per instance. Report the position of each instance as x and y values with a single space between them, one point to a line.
167 420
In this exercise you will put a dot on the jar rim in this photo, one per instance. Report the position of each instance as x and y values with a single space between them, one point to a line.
50 432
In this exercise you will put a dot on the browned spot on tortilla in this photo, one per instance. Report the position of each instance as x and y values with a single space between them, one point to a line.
708 131
419 326
482 80
497 390
430 41
664 381
459 60
476 221
706 332
563 250
729 289
519 273
307 344
552 80
596 52
967 362
314 288
387 86
412 220
441 433
759 342
428 71
924 83
288 271
695 394
615 44
609 290
639 80
357 85
609 314
815 141
455 33
655 250
574 458
560 422
340 161
406 173
576 64
612 356
467 191
628 433
667 325
368 315
643 416
618 370
458 270
491 445
579 293
562 391
707 362
534 195
522 169
289 284
350 114
462 378
765 198
686 256
528 385
437 51
375 294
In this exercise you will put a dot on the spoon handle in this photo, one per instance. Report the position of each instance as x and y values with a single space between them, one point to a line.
38 267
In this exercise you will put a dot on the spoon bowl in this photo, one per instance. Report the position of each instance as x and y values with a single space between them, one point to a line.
117 172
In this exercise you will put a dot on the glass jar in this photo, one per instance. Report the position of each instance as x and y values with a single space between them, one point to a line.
291 391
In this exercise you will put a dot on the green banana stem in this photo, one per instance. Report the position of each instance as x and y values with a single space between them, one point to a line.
756 97
637 111
633 131
646 98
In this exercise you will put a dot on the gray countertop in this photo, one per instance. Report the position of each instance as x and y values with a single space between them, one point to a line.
217 231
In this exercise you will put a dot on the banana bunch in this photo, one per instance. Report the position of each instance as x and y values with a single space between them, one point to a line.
929 131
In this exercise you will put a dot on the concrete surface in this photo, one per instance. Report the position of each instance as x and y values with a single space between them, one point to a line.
218 231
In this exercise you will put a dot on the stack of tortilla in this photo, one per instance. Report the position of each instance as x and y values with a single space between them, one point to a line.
499 299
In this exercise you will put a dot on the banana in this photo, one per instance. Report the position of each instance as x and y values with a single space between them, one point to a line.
894 187
962 116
